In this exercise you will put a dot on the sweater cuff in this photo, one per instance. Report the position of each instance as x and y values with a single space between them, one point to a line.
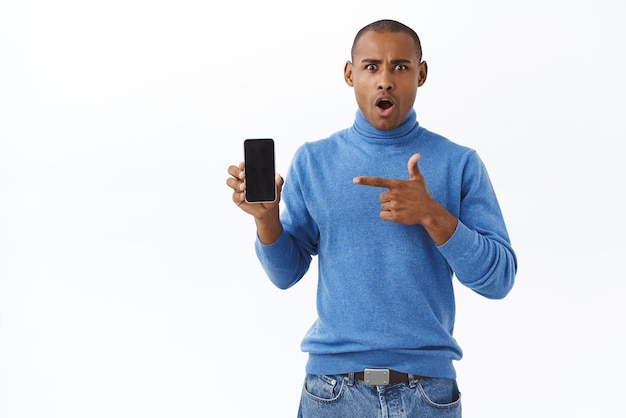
459 242
263 249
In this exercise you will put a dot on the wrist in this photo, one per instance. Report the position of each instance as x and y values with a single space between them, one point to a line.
268 227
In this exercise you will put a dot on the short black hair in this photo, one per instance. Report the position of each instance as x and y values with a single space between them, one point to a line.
388 25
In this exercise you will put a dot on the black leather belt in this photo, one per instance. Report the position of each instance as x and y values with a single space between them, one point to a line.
381 377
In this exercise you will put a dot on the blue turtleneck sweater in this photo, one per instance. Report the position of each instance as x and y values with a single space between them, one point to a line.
385 296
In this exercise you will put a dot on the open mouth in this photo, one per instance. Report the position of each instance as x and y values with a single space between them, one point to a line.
384 104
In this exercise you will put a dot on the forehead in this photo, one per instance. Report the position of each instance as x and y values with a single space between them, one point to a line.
393 45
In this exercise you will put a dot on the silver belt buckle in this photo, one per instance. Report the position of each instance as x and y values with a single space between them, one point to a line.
376 377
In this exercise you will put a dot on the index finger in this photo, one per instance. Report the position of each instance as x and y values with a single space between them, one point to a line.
374 181
236 171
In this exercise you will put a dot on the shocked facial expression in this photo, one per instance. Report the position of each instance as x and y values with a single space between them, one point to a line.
385 74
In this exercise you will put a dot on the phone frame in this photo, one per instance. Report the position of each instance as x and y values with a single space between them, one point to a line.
260 163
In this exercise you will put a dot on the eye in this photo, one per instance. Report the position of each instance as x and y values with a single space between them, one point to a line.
371 67
400 67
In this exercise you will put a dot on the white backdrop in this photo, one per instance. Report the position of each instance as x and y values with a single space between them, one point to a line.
128 281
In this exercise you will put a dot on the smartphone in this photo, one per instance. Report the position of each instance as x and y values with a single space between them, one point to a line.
260 170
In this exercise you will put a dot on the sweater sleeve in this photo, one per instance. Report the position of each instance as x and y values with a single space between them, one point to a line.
288 259
479 251
485 265
283 263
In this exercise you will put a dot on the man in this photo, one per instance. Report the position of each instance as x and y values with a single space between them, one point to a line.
392 211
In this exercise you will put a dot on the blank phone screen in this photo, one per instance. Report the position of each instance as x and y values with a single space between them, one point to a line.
260 170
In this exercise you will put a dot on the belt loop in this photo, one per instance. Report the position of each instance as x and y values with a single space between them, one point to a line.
412 380
351 379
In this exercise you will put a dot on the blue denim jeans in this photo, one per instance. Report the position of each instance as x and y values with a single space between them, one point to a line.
334 396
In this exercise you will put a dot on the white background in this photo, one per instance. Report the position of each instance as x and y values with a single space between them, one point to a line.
128 281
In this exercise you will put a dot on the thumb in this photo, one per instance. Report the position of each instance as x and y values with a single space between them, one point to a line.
414 171
279 181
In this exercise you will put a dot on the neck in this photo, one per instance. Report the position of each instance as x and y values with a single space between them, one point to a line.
367 131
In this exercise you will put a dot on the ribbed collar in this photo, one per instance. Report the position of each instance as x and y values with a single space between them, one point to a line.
398 136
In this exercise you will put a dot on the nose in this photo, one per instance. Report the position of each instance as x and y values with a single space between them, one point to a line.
385 81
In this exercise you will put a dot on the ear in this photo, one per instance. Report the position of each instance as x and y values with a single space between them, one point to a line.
422 74
347 73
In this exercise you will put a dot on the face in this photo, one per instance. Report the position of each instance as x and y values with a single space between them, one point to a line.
385 74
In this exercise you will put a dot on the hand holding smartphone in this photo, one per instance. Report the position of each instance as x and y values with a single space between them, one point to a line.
260 170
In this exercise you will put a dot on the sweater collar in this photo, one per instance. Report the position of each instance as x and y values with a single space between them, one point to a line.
398 135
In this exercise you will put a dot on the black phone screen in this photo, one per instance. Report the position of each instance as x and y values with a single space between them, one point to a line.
260 170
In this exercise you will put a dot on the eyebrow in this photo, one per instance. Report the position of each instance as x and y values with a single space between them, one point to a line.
376 61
